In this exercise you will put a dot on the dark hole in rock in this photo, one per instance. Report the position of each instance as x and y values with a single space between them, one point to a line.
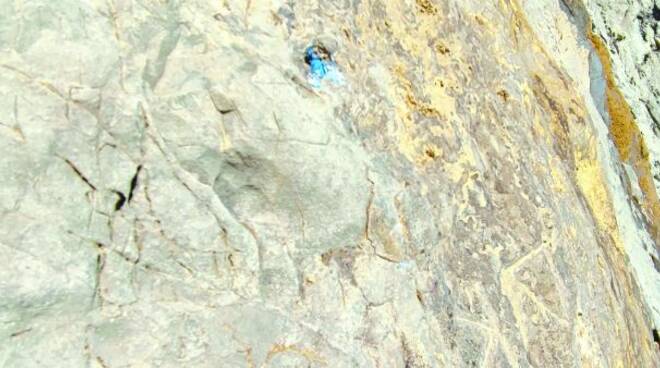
317 51
656 336
134 182
656 12
120 201
503 94
442 49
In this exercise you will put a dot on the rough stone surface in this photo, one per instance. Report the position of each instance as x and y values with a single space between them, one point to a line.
175 195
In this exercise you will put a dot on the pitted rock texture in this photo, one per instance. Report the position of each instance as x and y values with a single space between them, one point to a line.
174 194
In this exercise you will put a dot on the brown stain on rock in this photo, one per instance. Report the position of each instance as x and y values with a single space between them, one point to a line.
413 103
558 119
426 7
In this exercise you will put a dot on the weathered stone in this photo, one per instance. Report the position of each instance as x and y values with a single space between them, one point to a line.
482 191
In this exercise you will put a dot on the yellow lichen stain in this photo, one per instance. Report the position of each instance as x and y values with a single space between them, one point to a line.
559 122
587 170
540 133
518 26
440 100
456 171
627 136
408 145
591 182
429 96
310 355
414 148
556 100
414 105
523 34
623 127
558 179
439 107
565 118
590 179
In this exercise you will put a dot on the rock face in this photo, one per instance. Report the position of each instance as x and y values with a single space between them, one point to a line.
482 190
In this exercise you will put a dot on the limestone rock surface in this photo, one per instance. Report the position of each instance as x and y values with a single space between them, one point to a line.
482 191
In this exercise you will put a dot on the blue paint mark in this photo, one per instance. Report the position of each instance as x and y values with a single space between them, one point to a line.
321 66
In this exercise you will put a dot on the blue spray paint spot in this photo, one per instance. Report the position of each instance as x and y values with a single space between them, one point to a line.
321 66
